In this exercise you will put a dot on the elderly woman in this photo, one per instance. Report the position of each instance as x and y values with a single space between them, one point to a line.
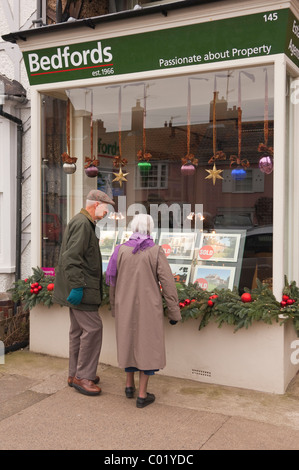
134 272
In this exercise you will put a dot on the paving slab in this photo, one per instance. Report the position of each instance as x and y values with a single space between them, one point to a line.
39 411
244 434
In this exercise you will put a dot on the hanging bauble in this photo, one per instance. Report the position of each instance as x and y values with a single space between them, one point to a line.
266 164
69 168
90 166
188 169
144 168
91 171
238 173
69 163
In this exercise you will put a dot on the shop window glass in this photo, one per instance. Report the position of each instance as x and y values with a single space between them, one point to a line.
54 181
218 225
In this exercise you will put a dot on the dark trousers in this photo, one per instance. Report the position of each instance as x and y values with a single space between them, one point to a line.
85 343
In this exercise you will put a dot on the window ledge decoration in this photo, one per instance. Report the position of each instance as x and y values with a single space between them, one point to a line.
34 290
223 306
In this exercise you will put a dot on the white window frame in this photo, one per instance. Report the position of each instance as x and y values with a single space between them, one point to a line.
159 165
8 151
231 185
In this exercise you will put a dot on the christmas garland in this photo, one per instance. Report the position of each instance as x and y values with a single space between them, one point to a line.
222 306
240 311
34 290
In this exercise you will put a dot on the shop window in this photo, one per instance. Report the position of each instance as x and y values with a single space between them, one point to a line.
207 140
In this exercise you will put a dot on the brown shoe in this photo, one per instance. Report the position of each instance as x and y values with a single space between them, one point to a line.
87 387
70 380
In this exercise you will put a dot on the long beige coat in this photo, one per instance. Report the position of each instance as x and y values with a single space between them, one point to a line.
136 303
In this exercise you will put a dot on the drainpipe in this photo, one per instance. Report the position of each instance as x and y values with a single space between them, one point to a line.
19 183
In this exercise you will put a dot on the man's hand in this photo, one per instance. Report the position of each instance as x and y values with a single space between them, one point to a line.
75 296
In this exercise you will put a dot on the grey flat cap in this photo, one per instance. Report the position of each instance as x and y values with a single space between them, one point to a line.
100 196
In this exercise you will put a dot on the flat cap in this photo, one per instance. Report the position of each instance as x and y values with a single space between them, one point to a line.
100 196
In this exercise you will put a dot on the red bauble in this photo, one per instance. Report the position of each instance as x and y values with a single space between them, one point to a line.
285 297
210 303
50 286
181 304
246 297
187 301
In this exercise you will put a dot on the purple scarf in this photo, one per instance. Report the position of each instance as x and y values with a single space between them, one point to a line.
139 242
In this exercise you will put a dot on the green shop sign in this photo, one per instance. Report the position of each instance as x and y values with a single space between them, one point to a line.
260 34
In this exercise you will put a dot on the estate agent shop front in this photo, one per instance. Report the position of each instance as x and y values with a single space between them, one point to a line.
190 115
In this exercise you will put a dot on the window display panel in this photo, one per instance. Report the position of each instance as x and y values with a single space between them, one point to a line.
53 179
196 152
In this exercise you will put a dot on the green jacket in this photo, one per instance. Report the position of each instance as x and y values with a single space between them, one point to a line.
79 264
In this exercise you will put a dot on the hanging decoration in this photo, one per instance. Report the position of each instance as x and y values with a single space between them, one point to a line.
214 174
120 177
239 173
69 163
91 164
118 161
189 162
143 156
266 164
266 161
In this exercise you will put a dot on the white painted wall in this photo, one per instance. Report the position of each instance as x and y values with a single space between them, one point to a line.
14 15
257 358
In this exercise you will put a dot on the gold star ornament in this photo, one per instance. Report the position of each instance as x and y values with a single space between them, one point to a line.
214 174
120 177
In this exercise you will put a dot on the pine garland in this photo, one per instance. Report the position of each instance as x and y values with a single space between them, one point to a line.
226 306
223 306
34 290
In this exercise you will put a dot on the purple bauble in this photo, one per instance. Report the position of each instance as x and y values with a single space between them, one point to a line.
266 164
188 169
91 171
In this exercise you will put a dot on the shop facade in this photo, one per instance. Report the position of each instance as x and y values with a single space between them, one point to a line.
189 115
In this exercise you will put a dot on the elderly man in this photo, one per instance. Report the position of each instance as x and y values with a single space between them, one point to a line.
78 285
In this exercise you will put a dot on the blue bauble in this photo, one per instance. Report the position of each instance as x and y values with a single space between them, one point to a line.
239 173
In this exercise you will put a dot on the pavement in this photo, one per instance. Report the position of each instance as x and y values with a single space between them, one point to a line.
39 411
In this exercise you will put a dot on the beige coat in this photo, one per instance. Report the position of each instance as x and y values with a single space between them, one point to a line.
136 303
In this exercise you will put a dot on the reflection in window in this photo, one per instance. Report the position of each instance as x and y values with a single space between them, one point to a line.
221 123
155 178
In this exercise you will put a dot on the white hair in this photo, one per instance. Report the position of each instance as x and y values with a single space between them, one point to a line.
142 223
89 203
